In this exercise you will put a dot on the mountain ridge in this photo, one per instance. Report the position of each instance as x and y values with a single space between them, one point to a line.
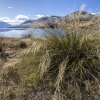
54 21
4 25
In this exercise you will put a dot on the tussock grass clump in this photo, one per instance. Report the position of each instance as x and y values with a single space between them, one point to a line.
23 45
27 36
71 63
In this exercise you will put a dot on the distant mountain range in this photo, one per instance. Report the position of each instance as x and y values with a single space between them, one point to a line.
54 21
4 24
43 22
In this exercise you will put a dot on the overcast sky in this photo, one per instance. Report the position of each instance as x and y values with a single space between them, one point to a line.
17 11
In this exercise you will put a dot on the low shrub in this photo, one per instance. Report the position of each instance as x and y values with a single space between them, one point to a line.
27 36
23 45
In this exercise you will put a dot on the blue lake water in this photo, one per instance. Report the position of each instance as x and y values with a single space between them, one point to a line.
19 32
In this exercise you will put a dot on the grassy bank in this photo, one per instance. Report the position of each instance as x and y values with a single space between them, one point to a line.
62 66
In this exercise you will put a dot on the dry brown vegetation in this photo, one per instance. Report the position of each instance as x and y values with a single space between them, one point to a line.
60 66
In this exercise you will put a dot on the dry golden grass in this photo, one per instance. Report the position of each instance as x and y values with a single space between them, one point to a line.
43 64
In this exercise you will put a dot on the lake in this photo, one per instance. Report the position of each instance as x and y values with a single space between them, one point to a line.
19 32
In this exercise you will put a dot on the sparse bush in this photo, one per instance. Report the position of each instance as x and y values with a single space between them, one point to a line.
27 36
23 45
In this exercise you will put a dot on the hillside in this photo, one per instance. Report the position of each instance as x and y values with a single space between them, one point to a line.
43 22
4 24
82 18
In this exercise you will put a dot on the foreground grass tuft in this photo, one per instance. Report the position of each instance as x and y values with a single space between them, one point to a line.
71 63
